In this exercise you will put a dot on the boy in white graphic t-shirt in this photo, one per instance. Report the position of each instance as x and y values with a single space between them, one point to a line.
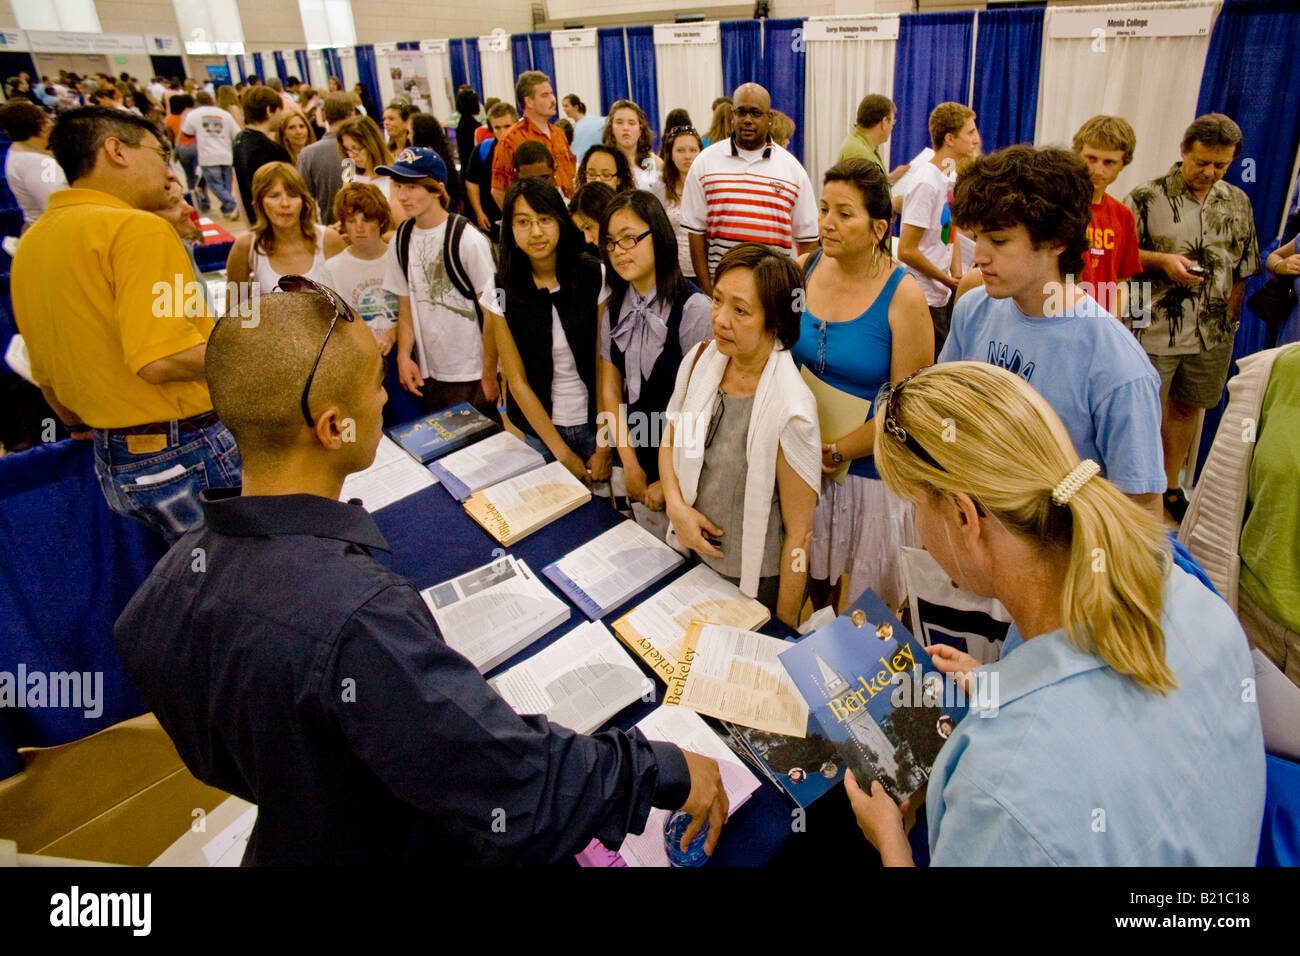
443 349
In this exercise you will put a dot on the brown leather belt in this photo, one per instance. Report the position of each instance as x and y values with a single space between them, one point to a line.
195 423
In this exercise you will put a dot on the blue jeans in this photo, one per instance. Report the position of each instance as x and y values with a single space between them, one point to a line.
199 460
580 439
218 180
188 157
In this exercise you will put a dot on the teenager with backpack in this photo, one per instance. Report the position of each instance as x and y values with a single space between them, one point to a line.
655 317
438 265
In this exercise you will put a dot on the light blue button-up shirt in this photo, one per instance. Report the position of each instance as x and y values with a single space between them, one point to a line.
1080 766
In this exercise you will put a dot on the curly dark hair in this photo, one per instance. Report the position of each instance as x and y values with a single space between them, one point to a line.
1048 191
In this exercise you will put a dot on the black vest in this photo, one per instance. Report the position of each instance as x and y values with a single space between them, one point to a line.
658 389
528 317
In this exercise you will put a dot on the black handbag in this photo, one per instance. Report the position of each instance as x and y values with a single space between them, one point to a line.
1274 300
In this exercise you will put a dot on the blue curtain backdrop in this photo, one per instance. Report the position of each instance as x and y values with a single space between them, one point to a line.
931 66
239 65
474 65
521 53
613 67
368 73
304 66
333 65
456 49
257 67
280 70
1008 54
782 73
1251 75
644 76
742 56
543 56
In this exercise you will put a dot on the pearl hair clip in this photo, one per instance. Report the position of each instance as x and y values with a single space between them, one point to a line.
1079 476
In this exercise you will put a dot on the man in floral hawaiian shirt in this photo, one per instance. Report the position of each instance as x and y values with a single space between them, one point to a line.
1197 239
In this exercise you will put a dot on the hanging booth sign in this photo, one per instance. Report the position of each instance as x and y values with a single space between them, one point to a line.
433 46
1094 24
851 28
565 39
685 33
494 43
385 49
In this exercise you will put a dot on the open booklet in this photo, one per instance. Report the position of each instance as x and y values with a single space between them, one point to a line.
579 682
484 463
513 509
736 675
688 731
655 629
494 611
610 568
391 477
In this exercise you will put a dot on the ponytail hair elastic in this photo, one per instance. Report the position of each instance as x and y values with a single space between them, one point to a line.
1079 476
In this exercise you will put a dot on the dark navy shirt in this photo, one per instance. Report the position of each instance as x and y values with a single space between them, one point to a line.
294 670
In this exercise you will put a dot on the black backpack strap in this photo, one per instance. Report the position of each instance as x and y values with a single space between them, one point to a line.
404 230
451 259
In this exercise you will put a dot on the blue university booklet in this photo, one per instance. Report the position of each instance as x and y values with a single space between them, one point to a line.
876 695
441 433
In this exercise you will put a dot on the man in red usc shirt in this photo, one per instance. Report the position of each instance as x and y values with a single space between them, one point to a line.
1106 144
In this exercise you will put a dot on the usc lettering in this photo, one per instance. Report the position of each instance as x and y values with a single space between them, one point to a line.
1100 238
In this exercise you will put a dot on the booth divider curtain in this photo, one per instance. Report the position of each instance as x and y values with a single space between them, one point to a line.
351 74
369 76
613 67
237 68
318 70
1008 56
782 74
543 59
438 68
840 72
384 76
578 71
474 67
1150 81
258 68
333 64
521 53
690 77
1251 63
742 59
304 66
643 75
458 75
931 66
280 71
497 72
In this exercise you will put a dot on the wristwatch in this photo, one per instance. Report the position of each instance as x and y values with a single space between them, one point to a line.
836 457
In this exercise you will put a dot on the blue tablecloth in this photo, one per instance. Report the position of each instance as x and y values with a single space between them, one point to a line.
433 539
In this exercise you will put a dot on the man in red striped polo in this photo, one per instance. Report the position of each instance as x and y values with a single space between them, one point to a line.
747 189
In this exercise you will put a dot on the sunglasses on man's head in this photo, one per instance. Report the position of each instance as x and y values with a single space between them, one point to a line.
341 311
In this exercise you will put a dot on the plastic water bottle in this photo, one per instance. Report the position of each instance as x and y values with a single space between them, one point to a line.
673 831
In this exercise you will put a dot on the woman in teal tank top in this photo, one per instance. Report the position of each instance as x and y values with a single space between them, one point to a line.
865 322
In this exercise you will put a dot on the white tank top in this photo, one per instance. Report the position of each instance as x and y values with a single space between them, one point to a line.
261 272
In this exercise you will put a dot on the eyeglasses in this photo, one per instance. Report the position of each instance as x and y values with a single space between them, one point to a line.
545 222
627 242
341 311
161 150
718 408
607 177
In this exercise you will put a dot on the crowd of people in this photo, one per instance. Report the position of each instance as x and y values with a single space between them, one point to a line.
785 393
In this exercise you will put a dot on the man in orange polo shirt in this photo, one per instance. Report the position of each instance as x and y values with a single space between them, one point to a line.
117 325
534 93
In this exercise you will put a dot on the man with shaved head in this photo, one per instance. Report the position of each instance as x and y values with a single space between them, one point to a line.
747 189
294 670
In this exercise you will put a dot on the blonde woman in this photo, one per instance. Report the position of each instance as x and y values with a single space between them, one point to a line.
228 100
1122 679
295 134
286 238
361 143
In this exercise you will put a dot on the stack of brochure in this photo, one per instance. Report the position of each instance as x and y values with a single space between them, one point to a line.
391 477
513 509
688 731
655 629
579 682
443 432
484 463
612 567
495 611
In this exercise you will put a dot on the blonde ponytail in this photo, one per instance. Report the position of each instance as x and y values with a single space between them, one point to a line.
991 436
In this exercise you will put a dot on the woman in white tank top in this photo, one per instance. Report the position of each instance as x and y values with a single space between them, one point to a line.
286 239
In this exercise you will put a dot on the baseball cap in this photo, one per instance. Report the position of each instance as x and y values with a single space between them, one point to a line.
415 162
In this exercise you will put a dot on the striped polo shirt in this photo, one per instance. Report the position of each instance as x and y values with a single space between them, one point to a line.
735 195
